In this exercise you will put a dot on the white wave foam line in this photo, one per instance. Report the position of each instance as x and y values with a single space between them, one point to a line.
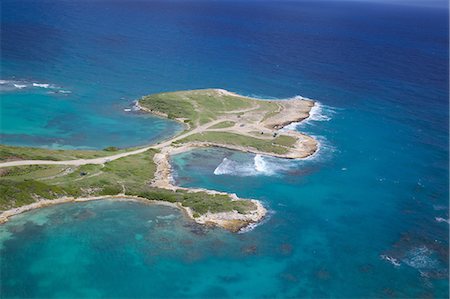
260 165
134 107
10 85
324 149
440 219
319 112
390 259
270 166
252 226
42 85
230 167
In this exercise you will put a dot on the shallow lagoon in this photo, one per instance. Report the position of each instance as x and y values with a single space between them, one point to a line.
35 117
104 249
127 249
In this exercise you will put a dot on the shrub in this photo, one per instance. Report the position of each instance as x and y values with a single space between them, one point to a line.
111 149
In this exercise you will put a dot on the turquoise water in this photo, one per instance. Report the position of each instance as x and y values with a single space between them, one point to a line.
105 249
365 217
342 211
37 118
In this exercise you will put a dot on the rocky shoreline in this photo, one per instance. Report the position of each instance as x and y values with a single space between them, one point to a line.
232 220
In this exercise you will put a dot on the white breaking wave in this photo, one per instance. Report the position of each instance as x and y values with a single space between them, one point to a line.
230 167
260 165
319 112
324 149
270 166
252 226
42 85
390 259
11 85
134 107
19 86
440 219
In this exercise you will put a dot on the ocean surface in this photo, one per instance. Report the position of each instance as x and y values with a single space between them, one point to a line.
367 216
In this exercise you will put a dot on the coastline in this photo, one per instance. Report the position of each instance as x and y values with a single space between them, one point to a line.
305 147
5 215
232 221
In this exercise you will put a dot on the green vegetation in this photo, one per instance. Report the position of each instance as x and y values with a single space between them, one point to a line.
111 149
238 117
33 171
199 202
18 193
284 140
243 124
222 125
198 106
277 145
30 153
21 185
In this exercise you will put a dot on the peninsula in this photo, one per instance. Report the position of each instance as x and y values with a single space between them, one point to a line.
33 177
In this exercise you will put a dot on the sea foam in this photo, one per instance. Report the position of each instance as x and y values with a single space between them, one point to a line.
324 149
390 259
260 165
252 226
12 85
269 166
231 167
421 258
42 85
440 219
318 113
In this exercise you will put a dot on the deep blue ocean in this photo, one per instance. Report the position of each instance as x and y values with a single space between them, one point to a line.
366 217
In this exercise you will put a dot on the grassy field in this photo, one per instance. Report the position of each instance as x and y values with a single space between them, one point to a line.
31 153
240 118
198 106
276 145
131 175
222 125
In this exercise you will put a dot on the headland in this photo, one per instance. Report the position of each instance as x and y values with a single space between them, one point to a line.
32 178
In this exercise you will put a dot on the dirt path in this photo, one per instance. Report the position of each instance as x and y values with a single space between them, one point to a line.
107 159
247 122
244 126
